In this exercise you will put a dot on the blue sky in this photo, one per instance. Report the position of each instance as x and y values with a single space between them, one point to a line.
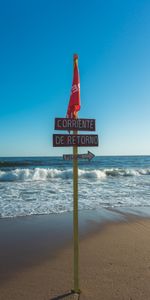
38 39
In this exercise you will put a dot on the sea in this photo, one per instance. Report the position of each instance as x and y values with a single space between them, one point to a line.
43 185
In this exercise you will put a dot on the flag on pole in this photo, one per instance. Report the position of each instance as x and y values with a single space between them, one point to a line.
74 103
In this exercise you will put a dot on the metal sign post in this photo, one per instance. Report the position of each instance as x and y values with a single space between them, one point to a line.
75 140
75 218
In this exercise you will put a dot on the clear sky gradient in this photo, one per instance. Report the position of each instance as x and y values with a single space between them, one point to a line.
38 39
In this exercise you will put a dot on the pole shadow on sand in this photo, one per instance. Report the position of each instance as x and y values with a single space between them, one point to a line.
69 295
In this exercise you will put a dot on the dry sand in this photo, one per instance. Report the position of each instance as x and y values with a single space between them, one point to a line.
114 264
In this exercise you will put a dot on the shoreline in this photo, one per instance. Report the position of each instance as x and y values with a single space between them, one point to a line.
27 241
36 250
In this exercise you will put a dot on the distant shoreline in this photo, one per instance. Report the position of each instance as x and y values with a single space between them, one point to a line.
51 156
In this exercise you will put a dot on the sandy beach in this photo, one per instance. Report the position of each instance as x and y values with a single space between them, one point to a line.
114 261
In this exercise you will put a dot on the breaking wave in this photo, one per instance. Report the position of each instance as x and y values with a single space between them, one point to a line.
43 174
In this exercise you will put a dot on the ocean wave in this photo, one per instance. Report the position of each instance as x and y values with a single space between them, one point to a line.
22 163
126 172
42 174
34 174
92 174
5 164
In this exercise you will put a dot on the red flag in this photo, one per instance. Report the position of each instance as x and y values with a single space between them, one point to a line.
74 103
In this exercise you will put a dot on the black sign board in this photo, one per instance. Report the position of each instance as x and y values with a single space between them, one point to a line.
75 124
68 140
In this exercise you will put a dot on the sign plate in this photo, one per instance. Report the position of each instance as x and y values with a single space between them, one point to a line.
79 140
88 156
75 124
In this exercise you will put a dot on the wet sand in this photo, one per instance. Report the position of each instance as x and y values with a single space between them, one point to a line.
36 259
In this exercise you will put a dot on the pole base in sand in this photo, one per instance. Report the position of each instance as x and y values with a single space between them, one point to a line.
76 292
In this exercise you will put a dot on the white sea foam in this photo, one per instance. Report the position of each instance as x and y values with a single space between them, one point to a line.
26 191
92 174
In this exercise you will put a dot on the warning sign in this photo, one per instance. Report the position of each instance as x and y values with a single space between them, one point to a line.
68 140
